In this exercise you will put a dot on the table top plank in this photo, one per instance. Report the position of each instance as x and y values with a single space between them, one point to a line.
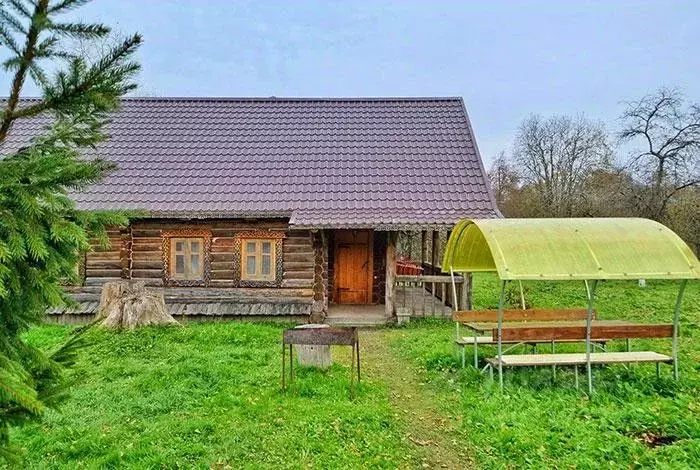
489 326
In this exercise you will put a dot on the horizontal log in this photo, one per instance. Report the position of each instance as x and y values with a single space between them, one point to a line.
115 273
146 233
299 274
98 281
554 333
147 255
147 247
299 249
146 273
222 257
298 257
222 266
297 283
110 263
567 314
222 274
147 264
298 265
104 255
222 241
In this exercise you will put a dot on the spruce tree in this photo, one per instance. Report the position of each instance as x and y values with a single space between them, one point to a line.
42 234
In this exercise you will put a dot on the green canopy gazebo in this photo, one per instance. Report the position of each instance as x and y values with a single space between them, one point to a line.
587 250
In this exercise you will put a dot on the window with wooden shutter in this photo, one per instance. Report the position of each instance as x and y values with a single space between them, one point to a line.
258 259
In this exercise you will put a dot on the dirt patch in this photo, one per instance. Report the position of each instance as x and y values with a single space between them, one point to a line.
653 440
432 434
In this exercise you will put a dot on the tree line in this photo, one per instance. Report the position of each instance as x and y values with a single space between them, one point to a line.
572 166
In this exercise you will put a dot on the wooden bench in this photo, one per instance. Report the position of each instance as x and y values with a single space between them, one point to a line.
527 333
470 317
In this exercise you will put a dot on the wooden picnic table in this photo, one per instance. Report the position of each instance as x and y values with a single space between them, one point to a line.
483 327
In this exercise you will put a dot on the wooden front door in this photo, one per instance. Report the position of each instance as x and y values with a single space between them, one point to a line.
353 267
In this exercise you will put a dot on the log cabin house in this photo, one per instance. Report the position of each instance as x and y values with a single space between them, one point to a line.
278 207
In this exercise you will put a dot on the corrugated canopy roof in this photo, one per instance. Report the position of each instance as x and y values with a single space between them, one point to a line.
594 248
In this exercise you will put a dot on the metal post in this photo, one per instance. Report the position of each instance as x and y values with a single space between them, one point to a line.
590 292
476 352
676 320
291 365
352 373
576 376
501 301
357 345
284 363
554 367
522 295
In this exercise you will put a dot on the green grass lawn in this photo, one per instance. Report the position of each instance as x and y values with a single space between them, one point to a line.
208 395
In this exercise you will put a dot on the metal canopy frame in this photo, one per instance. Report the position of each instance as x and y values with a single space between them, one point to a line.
570 249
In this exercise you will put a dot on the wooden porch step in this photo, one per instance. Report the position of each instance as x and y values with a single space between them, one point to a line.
529 360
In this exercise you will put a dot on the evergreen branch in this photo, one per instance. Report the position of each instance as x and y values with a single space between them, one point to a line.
67 93
80 30
6 18
7 39
20 8
66 5
32 37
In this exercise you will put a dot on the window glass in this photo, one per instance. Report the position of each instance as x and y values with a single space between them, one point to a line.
180 264
250 266
186 258
258 259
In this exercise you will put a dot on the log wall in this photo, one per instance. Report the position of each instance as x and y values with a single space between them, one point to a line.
105 263
137 253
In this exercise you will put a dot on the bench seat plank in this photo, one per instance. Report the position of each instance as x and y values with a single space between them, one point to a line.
527 360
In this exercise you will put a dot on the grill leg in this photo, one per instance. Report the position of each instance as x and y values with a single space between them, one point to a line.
284 363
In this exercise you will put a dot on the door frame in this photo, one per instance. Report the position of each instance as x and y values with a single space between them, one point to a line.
370 261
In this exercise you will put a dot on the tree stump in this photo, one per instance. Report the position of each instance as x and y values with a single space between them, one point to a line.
128 304
318 356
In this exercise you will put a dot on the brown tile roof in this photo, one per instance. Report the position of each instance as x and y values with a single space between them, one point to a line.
386 163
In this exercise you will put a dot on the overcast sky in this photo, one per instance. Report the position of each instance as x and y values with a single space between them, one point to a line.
507 59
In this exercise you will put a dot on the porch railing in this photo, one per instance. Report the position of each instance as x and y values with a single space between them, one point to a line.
428 295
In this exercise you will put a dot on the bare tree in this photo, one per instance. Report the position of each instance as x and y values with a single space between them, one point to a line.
668 158
504 179
556 156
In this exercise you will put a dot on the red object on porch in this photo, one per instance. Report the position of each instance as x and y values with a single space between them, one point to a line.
408 267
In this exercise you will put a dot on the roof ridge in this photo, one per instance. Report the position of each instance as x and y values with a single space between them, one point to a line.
292 98
276 98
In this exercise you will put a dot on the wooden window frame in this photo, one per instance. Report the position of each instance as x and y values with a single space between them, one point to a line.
258 255
169 240
239 261
188 273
